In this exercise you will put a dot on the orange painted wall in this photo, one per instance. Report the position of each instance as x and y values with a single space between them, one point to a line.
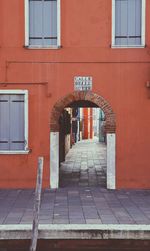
88 123
91 123
85 123
119 75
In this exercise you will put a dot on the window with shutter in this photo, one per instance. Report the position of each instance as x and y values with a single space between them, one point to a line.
129 23
12 122
43 23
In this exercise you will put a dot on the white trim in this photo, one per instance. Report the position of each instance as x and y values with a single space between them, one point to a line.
58 24
113 22
54 160
14 152
113 45
26 13
26 119
128 47
143 22
25 93
111 160
40 47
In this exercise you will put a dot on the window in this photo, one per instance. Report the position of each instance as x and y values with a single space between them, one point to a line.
13 121
42 23
128 23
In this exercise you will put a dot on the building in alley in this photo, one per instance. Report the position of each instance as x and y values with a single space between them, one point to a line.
59 60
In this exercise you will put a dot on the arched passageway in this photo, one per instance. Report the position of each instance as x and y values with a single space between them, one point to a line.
110 128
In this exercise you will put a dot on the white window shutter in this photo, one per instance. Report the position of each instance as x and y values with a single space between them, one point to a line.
50 22
35 22
4 122
17 123
138 22
121 22
134 22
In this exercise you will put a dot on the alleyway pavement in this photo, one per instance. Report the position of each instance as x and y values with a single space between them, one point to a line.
85 165
82 197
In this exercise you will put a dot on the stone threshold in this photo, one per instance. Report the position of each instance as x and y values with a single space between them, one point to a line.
76 231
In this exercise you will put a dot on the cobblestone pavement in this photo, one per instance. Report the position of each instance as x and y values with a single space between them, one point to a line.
85 165
86 205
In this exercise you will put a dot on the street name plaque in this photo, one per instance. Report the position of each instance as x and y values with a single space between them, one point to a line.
82 83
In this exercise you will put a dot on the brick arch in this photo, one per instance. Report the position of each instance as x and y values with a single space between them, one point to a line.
110 126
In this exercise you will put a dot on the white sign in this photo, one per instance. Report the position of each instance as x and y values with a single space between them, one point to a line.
82 83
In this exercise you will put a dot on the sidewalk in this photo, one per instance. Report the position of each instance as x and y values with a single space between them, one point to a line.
77 206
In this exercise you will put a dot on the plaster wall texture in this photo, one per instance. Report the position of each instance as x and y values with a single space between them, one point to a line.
119 76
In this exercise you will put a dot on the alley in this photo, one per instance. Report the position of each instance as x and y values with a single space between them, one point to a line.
85 165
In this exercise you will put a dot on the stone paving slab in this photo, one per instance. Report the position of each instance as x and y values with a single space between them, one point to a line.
85 165
89 205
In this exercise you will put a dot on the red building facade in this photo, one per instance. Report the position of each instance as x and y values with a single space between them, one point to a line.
44 45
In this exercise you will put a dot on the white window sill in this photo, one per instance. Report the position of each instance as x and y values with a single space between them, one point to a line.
34 47
128 46
15 152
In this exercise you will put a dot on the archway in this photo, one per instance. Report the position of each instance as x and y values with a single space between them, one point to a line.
110 129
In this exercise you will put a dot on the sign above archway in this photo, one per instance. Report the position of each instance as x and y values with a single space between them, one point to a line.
83 83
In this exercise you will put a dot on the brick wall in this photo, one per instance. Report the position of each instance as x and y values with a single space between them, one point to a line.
110 126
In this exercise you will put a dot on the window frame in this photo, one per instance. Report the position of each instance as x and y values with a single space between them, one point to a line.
25 93
143 22
27 43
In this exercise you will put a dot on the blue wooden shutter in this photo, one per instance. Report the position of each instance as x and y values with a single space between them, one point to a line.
134 22
128 22
43 22
50 22
4 122
121 22
17 123
35 22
